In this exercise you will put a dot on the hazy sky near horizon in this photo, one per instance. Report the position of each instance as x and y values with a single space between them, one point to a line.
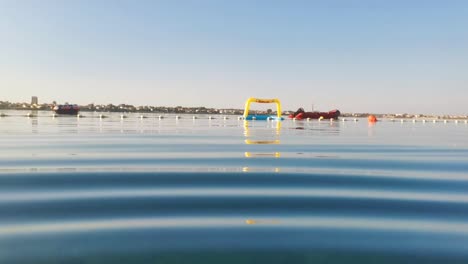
357 56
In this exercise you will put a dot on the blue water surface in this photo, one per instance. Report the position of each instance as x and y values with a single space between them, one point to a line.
145 189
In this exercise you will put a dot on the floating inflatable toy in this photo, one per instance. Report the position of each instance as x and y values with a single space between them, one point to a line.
262 117
301 114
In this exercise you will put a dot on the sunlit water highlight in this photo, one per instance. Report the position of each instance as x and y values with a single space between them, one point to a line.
144 190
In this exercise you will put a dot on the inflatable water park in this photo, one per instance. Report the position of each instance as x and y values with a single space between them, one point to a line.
298 115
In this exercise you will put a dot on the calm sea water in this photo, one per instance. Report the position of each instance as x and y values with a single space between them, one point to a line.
144 190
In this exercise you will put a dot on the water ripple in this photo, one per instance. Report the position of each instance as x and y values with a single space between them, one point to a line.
138 190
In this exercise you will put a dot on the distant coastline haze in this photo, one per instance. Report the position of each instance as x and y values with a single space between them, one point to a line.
366 56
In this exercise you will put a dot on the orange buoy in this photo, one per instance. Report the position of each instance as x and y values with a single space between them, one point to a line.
372 119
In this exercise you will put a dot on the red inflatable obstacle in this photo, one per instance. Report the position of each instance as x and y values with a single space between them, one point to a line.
301 114
66 109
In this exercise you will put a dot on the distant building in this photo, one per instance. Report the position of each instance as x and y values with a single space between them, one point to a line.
34 100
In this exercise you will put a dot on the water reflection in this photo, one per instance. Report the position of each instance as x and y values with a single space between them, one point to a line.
271 124
259 137
253 155
34 124
261 142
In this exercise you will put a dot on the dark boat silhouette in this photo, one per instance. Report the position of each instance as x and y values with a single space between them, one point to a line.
301 114
66 109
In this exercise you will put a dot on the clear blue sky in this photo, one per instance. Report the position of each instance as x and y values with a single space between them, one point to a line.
357 56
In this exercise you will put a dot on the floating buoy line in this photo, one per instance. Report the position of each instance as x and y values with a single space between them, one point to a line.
253 118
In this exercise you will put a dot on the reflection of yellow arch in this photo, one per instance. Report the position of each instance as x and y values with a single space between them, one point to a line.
253 155
261 142
262 101
247 130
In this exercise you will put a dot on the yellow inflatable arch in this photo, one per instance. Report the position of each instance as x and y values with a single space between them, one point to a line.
262 101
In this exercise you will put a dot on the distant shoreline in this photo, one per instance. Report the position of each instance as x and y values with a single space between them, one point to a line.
238 112
126 108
